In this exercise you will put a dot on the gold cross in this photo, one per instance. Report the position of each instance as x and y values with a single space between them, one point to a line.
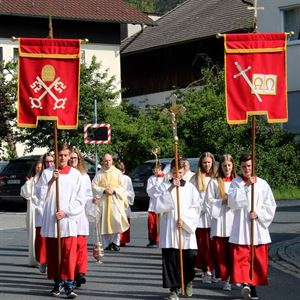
174 111
255 8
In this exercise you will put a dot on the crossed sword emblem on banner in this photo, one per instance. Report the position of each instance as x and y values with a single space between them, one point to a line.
244 75
56 84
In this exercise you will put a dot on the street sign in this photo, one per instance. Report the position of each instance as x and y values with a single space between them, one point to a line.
97 134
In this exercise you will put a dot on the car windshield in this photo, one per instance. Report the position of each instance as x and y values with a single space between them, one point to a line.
20 167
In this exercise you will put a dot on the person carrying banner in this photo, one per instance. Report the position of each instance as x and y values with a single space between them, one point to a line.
110 196
222 218
239 200
77 162
125 236
153 218
205 172
71 198
166 205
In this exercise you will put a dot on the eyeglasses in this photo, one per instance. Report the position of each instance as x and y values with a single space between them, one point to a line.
49 161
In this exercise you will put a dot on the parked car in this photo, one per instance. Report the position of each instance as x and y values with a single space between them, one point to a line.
3 163
13 176
141 173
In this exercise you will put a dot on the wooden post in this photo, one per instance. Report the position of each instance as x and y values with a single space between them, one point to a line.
253 137
174 112
50 36
255 8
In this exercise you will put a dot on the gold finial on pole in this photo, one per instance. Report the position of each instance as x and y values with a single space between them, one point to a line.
256 8
174 112
50 35
156 151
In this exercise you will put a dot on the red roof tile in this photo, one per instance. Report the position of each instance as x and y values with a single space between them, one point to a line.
89 10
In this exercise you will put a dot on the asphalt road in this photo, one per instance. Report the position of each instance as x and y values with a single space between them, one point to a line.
132 273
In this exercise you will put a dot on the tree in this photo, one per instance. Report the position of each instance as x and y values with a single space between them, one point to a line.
8 96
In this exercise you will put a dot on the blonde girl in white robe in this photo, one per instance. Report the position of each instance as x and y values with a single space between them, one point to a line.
222 217
205 172
28 191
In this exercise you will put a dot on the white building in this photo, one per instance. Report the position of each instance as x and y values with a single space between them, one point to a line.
98 21
279 16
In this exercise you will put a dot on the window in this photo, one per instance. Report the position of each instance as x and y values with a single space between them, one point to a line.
291 18
16 54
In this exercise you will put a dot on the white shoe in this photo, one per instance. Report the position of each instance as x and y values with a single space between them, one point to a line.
226 286
206 278
245 292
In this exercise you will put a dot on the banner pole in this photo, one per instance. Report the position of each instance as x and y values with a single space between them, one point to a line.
174 112
50 36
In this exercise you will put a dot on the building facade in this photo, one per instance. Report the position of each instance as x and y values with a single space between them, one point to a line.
279 16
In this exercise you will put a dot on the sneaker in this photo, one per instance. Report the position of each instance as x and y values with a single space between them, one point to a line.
206 277
69 293
189 289
109 247
226 286
115 247
152 245
173 295
214 279
245 292
79 280
253 293
42 268
56 290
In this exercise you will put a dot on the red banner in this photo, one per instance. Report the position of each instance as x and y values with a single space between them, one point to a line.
48 83
255 77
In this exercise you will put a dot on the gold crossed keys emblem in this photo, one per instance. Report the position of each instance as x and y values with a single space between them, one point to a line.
48 75
174 111
262 84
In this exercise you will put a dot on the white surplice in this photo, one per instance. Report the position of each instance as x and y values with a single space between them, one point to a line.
28 192
82 219
152 183
71 201
130 194
239 200
190 207
205 216
222 215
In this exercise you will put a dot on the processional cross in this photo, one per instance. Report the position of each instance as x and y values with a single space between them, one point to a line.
174 112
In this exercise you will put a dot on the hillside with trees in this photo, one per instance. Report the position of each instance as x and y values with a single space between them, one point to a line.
155 6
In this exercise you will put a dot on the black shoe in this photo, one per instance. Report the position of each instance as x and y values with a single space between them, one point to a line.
79 280
69 293
253 293
109 247
56 290
115 247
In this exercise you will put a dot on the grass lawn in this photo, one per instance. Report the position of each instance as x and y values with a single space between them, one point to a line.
287 193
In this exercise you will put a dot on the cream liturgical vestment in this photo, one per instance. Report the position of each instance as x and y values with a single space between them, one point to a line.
111 211
239 200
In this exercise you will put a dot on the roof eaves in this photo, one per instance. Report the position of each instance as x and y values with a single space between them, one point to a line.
241 30
152 23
